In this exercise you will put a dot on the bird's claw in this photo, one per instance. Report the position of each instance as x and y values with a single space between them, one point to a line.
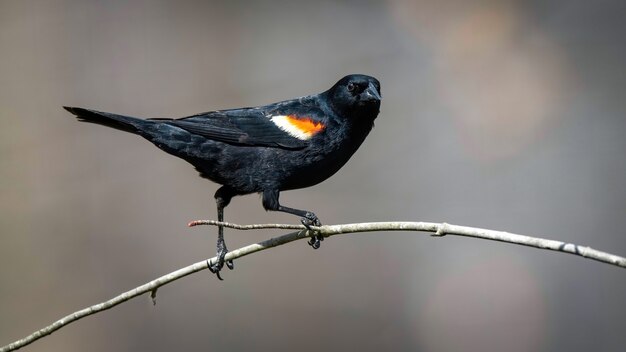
316 241
309 220
216 267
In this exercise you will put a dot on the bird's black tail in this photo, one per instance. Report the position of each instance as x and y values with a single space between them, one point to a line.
120 122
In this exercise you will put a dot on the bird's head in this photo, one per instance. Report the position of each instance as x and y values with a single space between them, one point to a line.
356 94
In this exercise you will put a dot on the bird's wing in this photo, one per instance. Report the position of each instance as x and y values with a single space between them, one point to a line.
287 125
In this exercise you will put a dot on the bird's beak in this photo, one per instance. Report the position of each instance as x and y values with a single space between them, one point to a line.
371 93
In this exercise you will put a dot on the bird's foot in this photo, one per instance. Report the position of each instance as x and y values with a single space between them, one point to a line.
309 220
316 241
216 267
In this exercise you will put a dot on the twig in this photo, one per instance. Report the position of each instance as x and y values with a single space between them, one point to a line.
248 227
437 229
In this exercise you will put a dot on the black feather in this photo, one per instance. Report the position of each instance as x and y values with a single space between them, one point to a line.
120 122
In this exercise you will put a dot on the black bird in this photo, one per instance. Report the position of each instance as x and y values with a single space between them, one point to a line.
267 149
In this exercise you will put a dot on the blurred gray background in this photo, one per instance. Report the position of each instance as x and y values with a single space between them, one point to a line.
507 115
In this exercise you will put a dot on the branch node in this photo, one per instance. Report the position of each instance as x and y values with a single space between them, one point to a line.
442 230
153 295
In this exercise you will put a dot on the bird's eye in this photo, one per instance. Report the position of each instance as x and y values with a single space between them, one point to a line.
351 87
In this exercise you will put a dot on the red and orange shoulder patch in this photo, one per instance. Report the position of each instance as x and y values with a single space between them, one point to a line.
298 126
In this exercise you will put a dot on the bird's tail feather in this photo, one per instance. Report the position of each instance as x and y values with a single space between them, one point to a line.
120 122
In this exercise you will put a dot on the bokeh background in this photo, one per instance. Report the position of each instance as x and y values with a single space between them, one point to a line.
507 115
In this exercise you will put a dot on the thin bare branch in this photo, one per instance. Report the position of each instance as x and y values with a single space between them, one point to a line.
437 229
248 227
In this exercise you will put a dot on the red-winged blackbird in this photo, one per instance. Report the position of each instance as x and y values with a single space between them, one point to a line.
267 149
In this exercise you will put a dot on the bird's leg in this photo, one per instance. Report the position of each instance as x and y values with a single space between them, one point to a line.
270 202
222 198
308 219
